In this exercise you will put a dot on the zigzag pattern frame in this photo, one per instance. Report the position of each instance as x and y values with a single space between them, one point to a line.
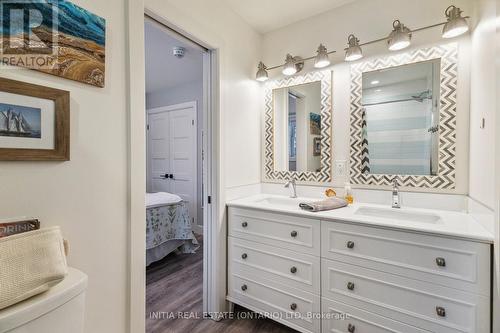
445 178
325 174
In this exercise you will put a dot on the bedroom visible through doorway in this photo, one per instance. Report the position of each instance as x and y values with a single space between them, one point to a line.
175 96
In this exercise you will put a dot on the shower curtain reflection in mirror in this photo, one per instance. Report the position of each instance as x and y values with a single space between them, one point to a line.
401 119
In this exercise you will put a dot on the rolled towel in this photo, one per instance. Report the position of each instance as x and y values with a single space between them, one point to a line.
327 204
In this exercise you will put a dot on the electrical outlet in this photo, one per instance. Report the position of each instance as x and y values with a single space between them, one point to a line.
340 168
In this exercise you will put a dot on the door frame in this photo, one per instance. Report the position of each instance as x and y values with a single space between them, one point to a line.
214 229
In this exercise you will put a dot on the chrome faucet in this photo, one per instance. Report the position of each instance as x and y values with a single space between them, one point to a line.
292 185
396 199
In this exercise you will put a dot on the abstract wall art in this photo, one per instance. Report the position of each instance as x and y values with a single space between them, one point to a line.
55 37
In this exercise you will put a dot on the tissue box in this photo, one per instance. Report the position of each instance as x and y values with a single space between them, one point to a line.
30 263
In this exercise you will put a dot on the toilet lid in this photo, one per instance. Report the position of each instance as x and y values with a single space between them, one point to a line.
19 314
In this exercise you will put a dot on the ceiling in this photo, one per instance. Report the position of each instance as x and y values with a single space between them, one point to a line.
268 15
163 70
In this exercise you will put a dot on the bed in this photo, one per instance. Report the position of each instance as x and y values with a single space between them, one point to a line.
168 226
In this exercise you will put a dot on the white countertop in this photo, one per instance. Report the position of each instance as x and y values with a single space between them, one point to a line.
452 224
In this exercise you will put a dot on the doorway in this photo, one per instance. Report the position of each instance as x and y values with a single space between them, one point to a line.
178 213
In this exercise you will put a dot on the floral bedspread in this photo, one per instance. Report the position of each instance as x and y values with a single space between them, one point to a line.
170 222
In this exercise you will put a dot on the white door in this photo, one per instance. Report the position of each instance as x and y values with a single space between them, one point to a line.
158 151
183 157
172 141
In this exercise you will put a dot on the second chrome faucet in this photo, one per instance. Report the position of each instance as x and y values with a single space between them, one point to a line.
292 185
396 199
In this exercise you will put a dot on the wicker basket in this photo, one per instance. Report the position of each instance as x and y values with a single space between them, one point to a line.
30 263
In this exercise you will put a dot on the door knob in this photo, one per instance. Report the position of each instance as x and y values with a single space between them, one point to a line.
441 312
293 270
293 306
441 262
171 176
351 328
244 256
244 224
244 287
350 244
294 234
350 285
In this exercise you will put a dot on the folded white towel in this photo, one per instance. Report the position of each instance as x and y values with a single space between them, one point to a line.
161 199
30 263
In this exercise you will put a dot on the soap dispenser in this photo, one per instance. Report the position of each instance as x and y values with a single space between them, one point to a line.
348 194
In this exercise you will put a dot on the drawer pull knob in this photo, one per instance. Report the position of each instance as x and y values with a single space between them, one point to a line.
244 287
350 244
294 234
441 262
244 256
351 328
441 312
293 270
244 224
350 285
293 306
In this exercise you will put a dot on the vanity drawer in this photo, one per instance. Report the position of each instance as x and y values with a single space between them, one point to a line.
448 262
359 321
288 306
289 232
283 266
411 301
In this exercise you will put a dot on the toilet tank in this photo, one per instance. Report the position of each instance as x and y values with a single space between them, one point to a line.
59 310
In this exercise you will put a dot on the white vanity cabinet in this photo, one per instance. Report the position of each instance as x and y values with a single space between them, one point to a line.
274 266
306 273
434 283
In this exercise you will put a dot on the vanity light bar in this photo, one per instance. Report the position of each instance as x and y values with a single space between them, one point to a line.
399 38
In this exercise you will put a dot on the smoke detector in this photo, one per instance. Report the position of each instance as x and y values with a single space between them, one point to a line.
179 52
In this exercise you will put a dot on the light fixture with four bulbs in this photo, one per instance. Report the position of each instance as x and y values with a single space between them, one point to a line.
398 39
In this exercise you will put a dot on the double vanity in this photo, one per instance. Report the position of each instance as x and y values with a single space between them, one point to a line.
364 268
360 269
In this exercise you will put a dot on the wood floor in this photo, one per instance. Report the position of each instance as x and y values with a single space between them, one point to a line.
175 284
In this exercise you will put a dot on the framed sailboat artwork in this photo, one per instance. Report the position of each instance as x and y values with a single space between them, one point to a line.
34 122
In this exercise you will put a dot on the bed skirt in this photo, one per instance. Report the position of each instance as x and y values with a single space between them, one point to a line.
168 228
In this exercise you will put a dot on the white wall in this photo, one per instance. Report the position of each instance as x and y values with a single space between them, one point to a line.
483 101
370 20
191 91
86 196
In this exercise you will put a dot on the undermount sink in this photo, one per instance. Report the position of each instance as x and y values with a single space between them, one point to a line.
282 202
395 214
